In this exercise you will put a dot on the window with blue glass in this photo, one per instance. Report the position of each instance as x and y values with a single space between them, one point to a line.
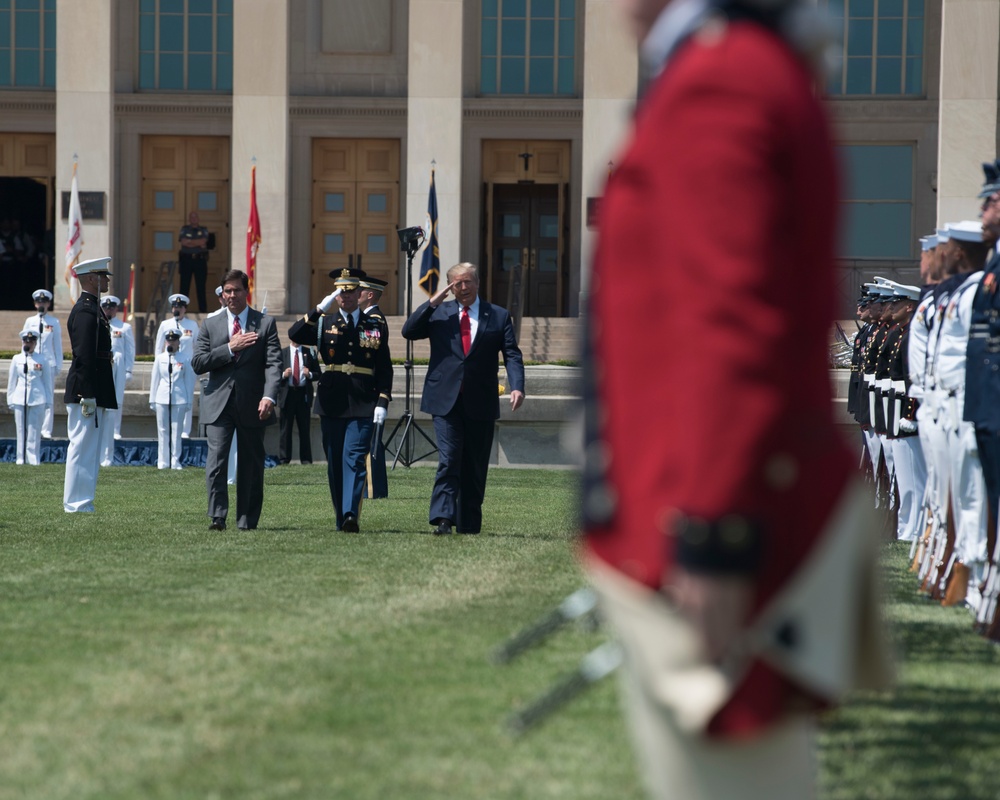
527 47
877 218
186 45
883 47
28 44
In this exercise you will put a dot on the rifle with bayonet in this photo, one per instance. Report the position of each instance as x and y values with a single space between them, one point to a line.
596 665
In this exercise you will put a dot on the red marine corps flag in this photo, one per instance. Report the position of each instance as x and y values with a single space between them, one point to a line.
253 235
74 238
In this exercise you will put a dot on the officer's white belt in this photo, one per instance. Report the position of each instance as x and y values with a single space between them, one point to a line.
349 369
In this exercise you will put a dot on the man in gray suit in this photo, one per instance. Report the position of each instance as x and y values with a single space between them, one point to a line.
241 351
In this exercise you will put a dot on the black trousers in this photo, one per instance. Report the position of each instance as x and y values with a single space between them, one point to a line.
464 448
196 265
297 410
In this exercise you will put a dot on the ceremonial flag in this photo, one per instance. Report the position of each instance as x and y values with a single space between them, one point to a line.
430 263
128 312
74 239
253 234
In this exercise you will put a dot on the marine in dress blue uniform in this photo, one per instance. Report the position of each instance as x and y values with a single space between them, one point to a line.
90 386
353 391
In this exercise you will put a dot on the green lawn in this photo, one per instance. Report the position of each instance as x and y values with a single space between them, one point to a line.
143 657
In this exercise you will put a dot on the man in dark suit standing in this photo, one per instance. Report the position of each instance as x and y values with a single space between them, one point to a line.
90 385
295 397
241 351
460 391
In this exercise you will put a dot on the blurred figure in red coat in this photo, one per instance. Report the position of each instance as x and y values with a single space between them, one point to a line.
731 548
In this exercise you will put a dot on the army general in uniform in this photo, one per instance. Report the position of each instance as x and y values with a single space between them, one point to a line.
90 385
353 393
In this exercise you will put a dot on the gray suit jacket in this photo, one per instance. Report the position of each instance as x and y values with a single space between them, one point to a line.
255 374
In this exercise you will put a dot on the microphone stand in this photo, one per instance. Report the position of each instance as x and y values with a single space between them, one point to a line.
170 409
24 426
404 451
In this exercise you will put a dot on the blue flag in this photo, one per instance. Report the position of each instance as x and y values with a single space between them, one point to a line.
430 264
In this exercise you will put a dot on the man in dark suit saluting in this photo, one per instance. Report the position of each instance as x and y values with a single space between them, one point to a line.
241 351
460 391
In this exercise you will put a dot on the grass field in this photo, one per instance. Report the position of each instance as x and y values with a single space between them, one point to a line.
143 657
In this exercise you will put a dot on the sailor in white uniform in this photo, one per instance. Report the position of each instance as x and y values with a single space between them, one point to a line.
29 386
123 354
49 347
188 330
169 390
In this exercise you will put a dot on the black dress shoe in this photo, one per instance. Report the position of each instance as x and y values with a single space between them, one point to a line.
468 533
350 524
443 528
218 524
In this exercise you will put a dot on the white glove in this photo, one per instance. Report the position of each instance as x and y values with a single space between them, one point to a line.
327 302
907 426
128 377
152 406
88 406
379 415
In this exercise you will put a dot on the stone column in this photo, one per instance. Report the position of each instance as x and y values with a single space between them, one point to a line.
970 52
610 80
84 124
260 130
434 124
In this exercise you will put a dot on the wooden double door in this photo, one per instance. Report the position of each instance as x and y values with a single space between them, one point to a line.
526 224
180 175
355 212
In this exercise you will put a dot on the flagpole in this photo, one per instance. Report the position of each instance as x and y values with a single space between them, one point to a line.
130 310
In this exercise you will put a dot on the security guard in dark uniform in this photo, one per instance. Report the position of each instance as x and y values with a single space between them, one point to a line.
354 389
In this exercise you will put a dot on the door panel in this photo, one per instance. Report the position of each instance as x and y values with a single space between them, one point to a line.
181 175
527 230
356 212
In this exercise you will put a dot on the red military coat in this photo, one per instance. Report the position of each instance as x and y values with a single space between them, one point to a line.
711 299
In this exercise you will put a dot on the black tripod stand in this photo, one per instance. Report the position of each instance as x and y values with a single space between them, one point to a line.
409 243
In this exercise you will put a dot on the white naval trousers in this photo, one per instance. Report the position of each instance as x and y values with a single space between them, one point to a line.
168 435
968 493
34 432
83 458
874 445
934 439
911 479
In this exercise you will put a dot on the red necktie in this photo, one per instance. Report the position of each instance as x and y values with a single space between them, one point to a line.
237 328
466 328
295 368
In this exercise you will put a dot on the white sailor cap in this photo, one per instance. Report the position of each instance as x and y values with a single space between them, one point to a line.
41 294
28 333
928 242
943 235
95 266
172 334
968 230
902 291
178 299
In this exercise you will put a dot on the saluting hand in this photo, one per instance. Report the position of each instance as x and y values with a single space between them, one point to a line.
438 298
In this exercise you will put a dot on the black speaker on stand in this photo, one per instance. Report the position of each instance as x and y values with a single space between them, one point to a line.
407 427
